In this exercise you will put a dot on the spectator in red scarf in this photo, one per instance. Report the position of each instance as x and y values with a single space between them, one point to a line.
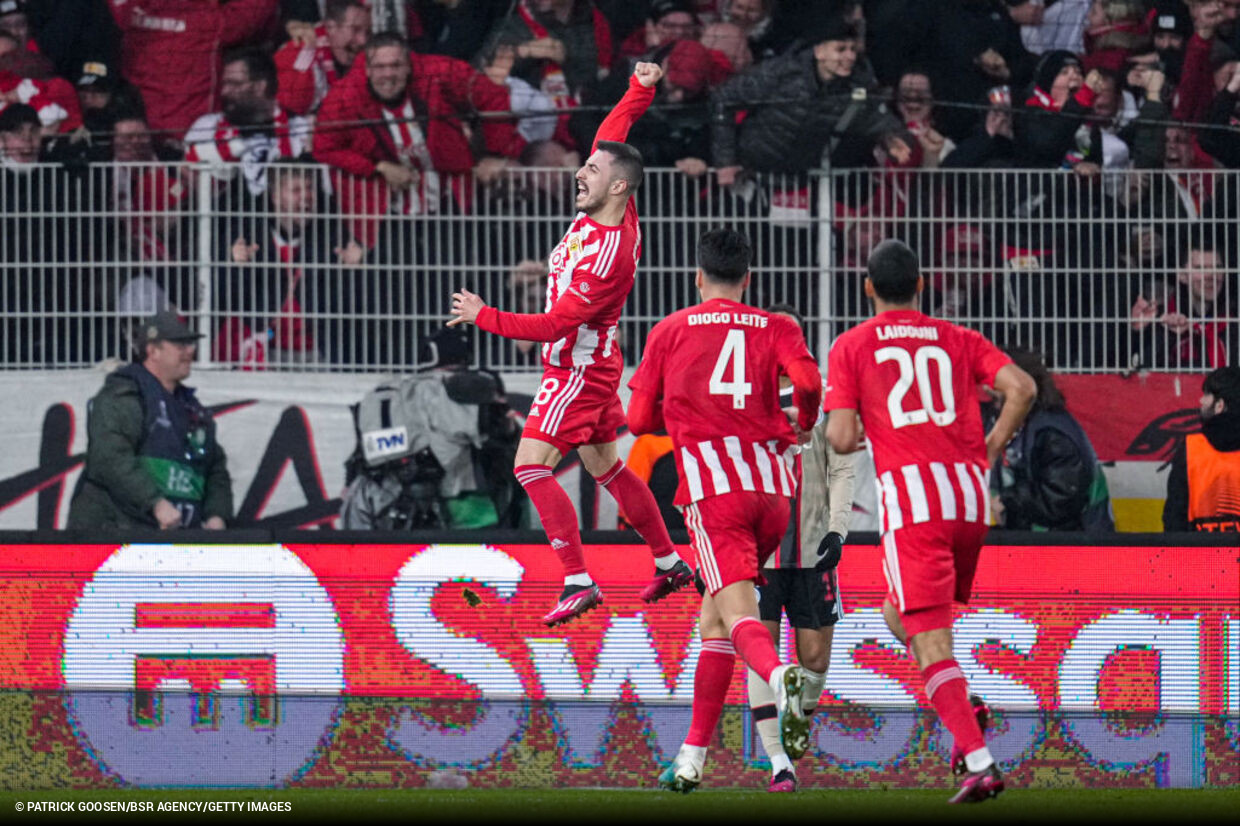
669 21
915 105
250 129
1115 29
171 51
563 48
1046 127
1188 324
282 269
307 71
393 130
26 77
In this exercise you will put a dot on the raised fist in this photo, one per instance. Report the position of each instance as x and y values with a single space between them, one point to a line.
648 74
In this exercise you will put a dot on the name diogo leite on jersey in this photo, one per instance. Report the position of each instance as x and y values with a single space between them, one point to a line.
744 319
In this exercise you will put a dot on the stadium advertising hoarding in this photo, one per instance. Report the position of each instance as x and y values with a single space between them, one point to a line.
376 665
287 443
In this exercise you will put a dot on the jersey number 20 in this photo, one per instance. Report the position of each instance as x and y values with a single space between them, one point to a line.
915 370
733 351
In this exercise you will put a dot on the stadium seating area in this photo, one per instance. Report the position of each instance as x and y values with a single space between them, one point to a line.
1062 168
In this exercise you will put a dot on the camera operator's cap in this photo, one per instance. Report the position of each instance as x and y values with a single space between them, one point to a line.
96 75
166 326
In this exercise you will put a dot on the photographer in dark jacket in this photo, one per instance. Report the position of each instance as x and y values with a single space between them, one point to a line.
1203 490
1049 478
813 102
152 459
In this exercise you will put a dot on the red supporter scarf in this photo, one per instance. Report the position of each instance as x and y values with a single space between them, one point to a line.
602 46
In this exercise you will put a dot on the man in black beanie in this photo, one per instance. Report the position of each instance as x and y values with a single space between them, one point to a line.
1203 490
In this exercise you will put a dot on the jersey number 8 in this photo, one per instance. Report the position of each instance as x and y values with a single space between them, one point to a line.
915 369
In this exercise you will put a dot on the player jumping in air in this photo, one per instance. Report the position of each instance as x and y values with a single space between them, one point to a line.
710 375
909 383
577 406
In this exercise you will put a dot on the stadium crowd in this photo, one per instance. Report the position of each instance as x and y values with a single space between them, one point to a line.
1102 125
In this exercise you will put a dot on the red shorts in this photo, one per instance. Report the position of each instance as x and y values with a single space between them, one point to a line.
931 564
571 410
734 534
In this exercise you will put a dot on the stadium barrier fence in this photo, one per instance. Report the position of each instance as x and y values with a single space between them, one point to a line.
1090 270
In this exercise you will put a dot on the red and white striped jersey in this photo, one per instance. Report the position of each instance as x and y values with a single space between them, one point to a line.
596 264
412 151
716 368
213 140
914 380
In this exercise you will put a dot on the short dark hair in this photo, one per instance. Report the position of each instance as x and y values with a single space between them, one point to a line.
627 163
788 310
1224 383
380 40
335 9
724 255
258 66
17 115
1031 361
893 271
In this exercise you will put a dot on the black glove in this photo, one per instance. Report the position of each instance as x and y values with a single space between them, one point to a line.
830 549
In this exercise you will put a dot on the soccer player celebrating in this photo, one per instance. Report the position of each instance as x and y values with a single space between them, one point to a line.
909 383
710 376
577 406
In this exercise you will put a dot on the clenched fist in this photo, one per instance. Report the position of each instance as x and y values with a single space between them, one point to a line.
648 74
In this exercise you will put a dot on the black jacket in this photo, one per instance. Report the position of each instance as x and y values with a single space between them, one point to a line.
791 115
1223 434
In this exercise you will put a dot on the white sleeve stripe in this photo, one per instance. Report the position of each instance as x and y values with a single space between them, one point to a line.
916 494
606 255
947 496
733 446
693 474
966 490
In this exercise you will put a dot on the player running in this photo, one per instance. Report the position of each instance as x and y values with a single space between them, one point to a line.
577 406
911 382
710 376
802 578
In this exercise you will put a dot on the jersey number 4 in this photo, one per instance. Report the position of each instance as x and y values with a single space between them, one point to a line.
915 371
733 352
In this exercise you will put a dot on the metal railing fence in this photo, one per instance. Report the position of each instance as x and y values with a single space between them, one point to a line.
1115 272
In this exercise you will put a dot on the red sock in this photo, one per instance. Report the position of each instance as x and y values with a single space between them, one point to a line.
948 691
753 643
639 507
555 510
710 689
